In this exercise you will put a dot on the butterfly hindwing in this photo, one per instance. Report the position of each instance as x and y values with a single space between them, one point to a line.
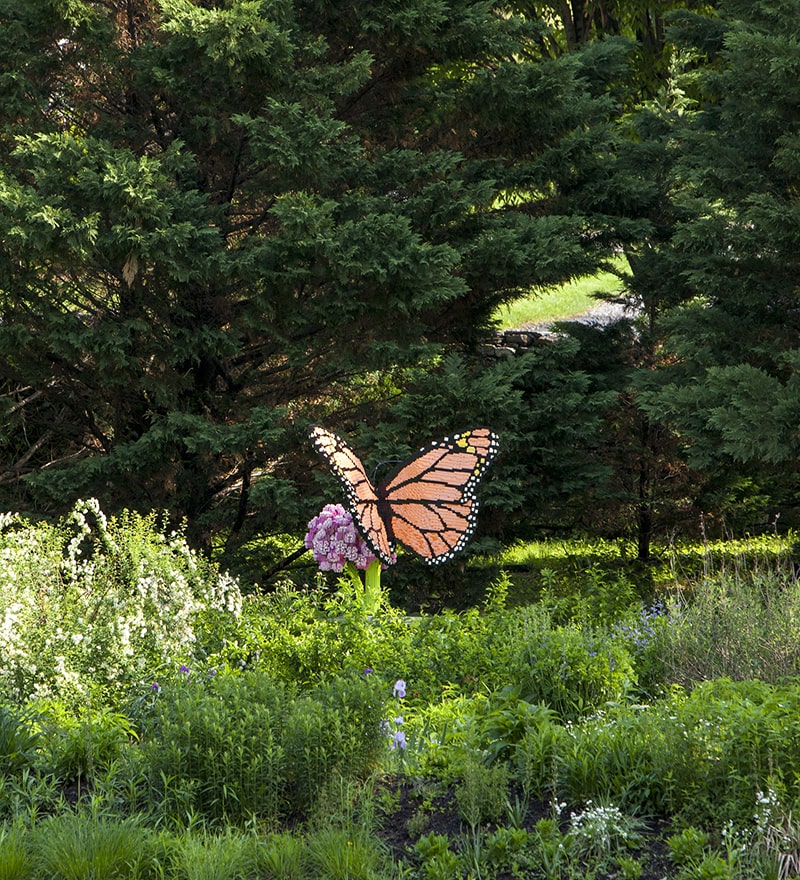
362 499
435 534
429 505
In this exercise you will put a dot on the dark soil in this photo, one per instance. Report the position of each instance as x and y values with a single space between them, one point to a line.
417 810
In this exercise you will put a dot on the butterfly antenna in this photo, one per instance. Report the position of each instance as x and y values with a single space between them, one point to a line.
383 464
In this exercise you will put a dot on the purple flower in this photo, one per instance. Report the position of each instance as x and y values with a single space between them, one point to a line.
368 671
155 686
334 540
399 688
399 740
642 632
184 670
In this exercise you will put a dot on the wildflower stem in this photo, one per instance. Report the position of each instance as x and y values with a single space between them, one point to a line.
372 587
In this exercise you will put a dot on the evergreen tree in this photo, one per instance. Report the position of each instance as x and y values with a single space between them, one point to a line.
729 378
223 220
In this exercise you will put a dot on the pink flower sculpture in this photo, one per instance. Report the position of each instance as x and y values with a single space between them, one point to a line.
334 540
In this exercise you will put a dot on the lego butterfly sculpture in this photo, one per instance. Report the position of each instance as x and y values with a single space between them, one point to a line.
428 505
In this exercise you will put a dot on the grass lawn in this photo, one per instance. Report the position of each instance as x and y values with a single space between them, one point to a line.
560 302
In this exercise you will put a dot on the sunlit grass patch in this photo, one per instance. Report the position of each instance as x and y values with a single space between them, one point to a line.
559 303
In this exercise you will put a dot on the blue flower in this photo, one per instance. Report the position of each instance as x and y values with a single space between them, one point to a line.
399 688
399 740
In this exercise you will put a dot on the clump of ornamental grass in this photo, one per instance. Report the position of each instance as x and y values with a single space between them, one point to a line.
226 856
238 747
16 861
735 626
92 607
284 856
346 854
75 846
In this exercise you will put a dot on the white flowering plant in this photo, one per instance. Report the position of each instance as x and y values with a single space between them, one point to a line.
93 608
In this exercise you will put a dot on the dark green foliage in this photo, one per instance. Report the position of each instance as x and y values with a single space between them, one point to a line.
222 221
235 747
548 411
729 386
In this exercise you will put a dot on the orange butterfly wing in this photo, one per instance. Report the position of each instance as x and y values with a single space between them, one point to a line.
362 499
429 505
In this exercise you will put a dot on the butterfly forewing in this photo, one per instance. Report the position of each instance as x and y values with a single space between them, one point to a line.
362 499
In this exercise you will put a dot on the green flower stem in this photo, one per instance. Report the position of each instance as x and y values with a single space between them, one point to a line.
355 578
370 589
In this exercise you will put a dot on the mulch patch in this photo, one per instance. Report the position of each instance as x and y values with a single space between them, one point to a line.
427 807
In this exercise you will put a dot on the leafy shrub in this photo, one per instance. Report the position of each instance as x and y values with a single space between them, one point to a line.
620 756
728 740
82 744
90 607
588 592
298 636
700 756
19 741
575 671
236 746
536 754
505 719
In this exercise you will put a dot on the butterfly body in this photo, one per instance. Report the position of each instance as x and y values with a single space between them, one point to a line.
428 505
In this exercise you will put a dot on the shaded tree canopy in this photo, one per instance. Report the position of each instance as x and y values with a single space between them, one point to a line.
222 220
728 383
